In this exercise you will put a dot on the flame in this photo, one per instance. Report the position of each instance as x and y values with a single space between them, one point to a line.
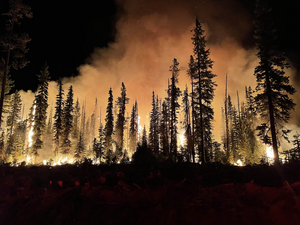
270 152
238 163
65 160
182 139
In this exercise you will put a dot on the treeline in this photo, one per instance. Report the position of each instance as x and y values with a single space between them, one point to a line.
69 133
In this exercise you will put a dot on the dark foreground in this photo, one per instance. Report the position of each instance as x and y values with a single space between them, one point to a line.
163 194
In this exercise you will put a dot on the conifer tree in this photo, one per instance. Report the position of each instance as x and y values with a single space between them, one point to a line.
79 148
174 107
133 132
154 127
67 122
14 45
14 116
187 124
192 75
164 130
109 123
58 117
76 118
41 102
204 90
121 120
144 137
273 88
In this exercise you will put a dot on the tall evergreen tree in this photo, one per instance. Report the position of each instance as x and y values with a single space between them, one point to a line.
174 92
164 130
67 122
109 123
76 119
273 101
187 124
121 120
14 116
41 102
192 75
79 148
204 90
154 127
133 131
13 45
58 117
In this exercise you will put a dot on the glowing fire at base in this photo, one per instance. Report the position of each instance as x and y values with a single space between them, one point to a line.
270 152
238 163
65 160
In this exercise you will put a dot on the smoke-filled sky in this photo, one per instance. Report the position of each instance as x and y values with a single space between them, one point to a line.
96 46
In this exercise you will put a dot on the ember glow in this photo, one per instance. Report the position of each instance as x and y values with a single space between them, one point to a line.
270 153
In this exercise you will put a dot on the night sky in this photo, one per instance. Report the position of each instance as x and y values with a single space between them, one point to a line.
95 45
65 35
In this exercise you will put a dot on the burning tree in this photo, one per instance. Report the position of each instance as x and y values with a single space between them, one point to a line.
41 105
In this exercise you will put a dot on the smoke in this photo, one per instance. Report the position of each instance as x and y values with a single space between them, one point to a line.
149 34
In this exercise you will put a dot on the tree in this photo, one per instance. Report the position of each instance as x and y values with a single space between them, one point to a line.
133 131
121 120
164 130
67 122
174 93
40 116
187 124
79 148
273 88
58 117
192 75
75 133
204 90
109 123
14 116
14 45
154 127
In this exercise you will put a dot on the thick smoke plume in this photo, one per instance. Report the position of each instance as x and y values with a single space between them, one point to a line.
149 34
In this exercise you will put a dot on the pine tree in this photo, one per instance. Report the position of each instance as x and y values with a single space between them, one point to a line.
75 133
14 45
144 137
133 132
41 102
79 148
164 130
121 120
192 75
273 101
58 118
109 124
204 90
14 116
187 124
153 128
174 107
67 122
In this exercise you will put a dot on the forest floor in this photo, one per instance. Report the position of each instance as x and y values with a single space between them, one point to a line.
163 194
